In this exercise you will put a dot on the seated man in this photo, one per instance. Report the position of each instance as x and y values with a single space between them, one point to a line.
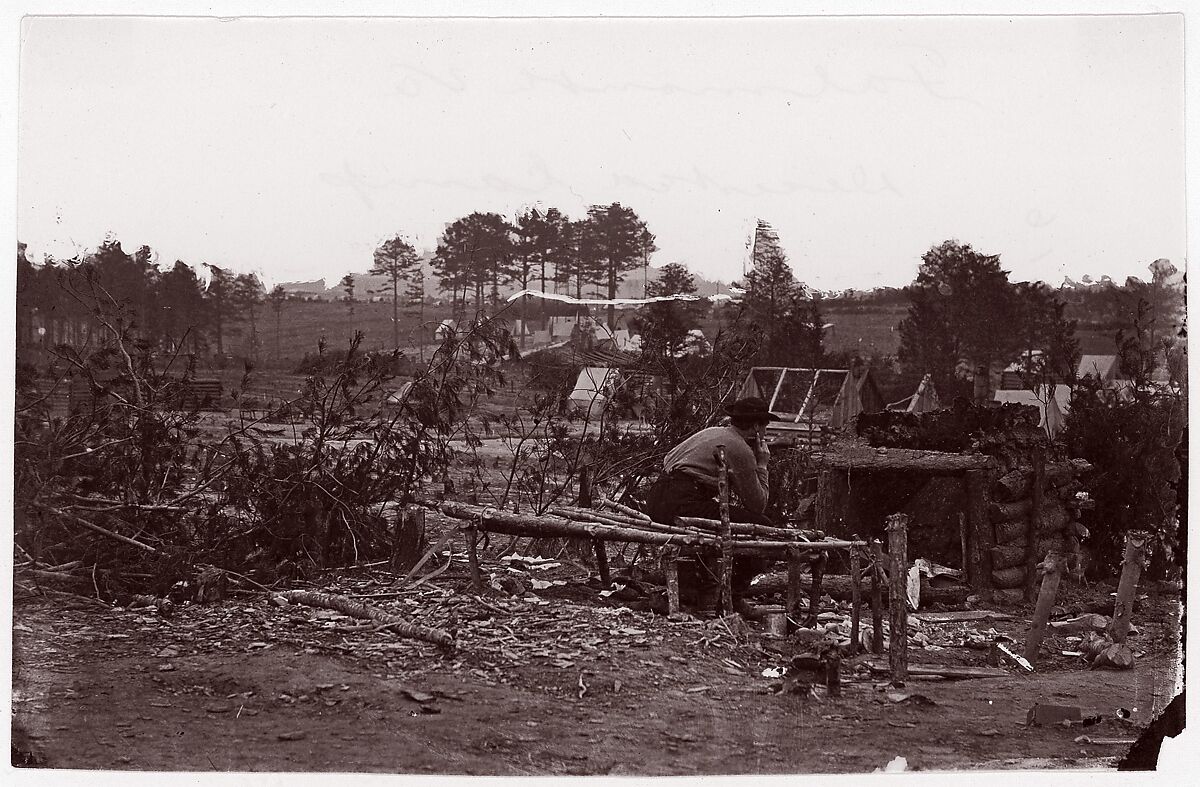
688 485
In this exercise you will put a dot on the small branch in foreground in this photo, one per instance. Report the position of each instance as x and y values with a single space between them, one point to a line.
356 609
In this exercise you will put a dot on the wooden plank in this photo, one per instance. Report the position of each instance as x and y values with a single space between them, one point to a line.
960 617
944 670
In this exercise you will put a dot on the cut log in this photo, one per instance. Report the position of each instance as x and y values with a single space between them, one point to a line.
1054 518
1062 473
1043 544
1011 533
357 609
1007 557
840 587
867 458
1012 486
1017 510
1009 578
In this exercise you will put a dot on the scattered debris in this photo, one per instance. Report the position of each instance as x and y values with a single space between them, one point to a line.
964 616
919 700
1081 623
1116 656
1007 654
1105 741
1045 715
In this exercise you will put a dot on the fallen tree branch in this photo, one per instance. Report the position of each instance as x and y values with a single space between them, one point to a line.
102 531
356 609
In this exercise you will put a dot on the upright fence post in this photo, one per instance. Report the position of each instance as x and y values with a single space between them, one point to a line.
670 567
725 535
1051 571
1035 518
876 597
897 530
585 501
855 598
979 530
795 570
1137 551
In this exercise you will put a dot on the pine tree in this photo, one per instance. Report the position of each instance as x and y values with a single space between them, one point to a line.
394 259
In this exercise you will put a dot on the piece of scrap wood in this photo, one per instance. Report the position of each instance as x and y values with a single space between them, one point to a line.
945 670
960 617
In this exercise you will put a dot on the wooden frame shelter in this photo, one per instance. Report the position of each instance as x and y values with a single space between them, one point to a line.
836 465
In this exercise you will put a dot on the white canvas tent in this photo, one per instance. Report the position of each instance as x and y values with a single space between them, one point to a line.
1051 404
593 388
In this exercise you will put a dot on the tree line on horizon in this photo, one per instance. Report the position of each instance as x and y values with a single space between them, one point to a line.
962 308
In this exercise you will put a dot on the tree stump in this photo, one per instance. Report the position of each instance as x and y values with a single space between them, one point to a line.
408 538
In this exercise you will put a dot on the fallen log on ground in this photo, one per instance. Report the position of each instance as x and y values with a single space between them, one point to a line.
356 609
839 587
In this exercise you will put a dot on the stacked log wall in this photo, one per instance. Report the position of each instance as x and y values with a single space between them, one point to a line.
1009 434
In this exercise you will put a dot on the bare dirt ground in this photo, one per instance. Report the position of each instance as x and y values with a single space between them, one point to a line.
550 682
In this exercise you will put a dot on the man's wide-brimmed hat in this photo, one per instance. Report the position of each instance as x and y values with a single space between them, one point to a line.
750 407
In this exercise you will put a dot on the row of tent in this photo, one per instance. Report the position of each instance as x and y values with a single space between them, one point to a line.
814 401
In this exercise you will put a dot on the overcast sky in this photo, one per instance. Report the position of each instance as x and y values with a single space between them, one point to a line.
293 147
